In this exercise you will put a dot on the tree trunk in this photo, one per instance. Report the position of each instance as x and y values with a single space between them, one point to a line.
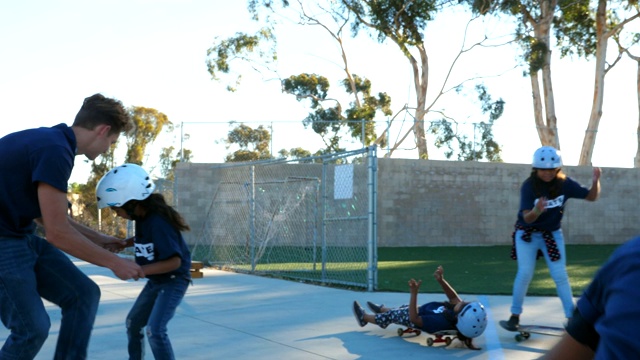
598 89
547 130
549 102
537 108
421 81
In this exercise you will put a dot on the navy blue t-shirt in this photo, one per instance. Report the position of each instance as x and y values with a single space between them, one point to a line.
28 157
550 219
610 303
157 240
434 318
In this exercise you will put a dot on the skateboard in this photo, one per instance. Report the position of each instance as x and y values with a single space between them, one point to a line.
445 336
525 331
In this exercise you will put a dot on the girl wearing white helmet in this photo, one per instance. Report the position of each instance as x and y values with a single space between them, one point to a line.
538 230
160 250
468 319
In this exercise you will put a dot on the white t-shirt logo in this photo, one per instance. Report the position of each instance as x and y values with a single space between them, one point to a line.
439 310
557 202
145 250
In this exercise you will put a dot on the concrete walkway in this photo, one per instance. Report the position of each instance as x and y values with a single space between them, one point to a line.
237 316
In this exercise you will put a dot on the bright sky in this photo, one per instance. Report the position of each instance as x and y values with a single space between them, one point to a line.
152 53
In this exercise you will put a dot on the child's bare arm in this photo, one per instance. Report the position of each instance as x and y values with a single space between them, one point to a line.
414 288
451 294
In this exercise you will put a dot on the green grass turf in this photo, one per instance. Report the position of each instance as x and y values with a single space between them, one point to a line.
482 270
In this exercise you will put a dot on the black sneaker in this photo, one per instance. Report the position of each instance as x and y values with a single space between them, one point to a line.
358 311
513 323
375 307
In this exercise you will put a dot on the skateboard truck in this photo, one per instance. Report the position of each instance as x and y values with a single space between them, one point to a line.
438 337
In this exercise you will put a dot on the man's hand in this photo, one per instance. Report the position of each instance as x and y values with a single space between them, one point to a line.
127 269
114 244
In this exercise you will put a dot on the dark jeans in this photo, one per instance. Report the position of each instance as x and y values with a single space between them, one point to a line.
154 307
31 269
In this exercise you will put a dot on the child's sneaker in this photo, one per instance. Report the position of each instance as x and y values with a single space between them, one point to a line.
358 311
375 307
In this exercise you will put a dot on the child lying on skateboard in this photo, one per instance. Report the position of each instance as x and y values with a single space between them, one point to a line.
468 318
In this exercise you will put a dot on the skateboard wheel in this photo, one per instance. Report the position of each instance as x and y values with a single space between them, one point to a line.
400 332
429 342
447 341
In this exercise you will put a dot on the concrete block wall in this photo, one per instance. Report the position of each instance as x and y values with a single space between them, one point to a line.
450 203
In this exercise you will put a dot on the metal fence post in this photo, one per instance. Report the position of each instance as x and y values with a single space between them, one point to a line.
372 273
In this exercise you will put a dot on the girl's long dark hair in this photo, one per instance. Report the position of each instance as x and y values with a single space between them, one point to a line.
554 187
156 203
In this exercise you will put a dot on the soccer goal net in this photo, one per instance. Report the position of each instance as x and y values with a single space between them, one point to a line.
310 219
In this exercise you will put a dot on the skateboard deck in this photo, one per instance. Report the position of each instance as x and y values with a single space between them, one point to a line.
525 331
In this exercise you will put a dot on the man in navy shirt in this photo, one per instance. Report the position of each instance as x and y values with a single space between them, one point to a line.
605 321
34 172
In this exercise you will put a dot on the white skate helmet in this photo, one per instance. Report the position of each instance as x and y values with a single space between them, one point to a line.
123 183
472 320
547 157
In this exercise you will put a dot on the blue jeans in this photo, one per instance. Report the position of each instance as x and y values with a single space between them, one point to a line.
154 307
526 253
30 269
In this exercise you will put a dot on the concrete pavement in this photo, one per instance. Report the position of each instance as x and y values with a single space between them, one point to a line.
237 316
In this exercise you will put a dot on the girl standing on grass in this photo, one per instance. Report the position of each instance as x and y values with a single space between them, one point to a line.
538 231
159 249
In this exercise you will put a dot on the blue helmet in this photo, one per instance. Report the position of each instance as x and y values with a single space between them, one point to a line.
472 320
547 157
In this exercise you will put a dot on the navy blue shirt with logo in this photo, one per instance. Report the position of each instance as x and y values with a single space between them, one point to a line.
434 317
156 240
29 157
552 217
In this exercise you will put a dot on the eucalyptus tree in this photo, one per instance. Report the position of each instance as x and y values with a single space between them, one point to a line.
403 22
253 143
586 28
582 28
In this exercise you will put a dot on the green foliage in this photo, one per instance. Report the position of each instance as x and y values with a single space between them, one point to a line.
575 28
403 21
260 47
168 162
148 125
482 145
254 143
328 120
295 153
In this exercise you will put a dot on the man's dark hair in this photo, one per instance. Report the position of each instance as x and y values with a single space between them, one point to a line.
98 109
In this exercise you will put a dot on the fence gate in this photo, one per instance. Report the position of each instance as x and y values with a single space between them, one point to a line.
315 222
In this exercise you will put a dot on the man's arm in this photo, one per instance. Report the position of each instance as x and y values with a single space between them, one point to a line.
569 348
110 243
451 294
60 233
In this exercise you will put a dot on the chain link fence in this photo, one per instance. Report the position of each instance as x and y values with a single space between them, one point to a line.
309 219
